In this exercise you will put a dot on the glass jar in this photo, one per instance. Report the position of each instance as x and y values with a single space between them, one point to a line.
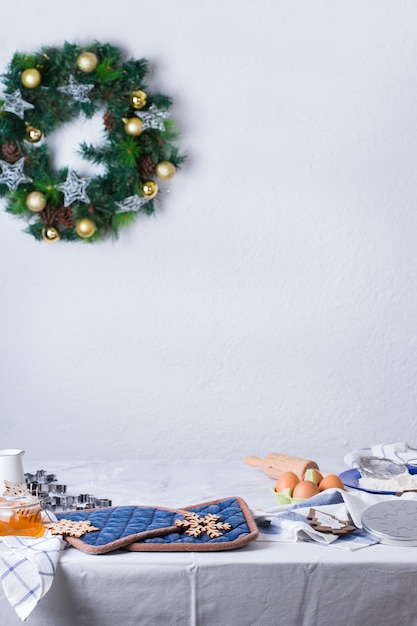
21 515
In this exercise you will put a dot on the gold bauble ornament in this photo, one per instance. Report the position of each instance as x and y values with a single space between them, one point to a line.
85 227
33 134
31 78
35 201
87 62
132 126
138 99
165 170
149 189
50 234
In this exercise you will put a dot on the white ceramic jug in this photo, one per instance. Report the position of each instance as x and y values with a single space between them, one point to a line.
11 467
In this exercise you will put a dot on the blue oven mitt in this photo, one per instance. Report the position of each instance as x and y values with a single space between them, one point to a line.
218 525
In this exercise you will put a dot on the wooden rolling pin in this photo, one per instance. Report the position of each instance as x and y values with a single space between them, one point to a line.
275 464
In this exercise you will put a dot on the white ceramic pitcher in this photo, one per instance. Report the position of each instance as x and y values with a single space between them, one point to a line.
11 467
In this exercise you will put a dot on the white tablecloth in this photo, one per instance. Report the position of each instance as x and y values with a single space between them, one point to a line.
265 583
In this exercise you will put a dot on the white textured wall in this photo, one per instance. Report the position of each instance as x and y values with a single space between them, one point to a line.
271 304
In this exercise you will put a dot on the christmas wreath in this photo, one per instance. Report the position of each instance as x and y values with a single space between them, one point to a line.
54 86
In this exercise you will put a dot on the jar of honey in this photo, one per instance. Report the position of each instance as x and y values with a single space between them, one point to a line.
21 515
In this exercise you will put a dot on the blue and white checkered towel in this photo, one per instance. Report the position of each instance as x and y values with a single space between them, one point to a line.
27 570
289 522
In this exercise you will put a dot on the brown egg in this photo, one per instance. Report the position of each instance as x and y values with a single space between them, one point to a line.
331 481
314 475
287 480
305 489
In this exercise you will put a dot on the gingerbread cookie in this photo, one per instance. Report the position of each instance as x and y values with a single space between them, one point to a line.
71 528
15 489
326 523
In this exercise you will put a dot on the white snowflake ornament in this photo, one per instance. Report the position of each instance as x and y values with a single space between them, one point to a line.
14 103
77 91
12 174
132 203
74 188
153 118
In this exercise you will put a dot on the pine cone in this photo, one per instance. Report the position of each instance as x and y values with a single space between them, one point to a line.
108 120
49 215
65 217
10 152
146 166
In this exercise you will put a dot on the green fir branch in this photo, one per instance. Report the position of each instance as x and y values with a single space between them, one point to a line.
171 132
94 154
69 234
128 151
17 204
106 71
35 230
122 220
47 185
161 101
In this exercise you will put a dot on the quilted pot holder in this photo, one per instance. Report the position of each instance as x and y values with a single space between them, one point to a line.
217 525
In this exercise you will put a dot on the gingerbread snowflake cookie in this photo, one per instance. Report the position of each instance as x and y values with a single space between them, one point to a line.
15 489
70 528
326 523
195 525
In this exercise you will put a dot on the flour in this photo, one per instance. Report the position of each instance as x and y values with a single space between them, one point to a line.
401 482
